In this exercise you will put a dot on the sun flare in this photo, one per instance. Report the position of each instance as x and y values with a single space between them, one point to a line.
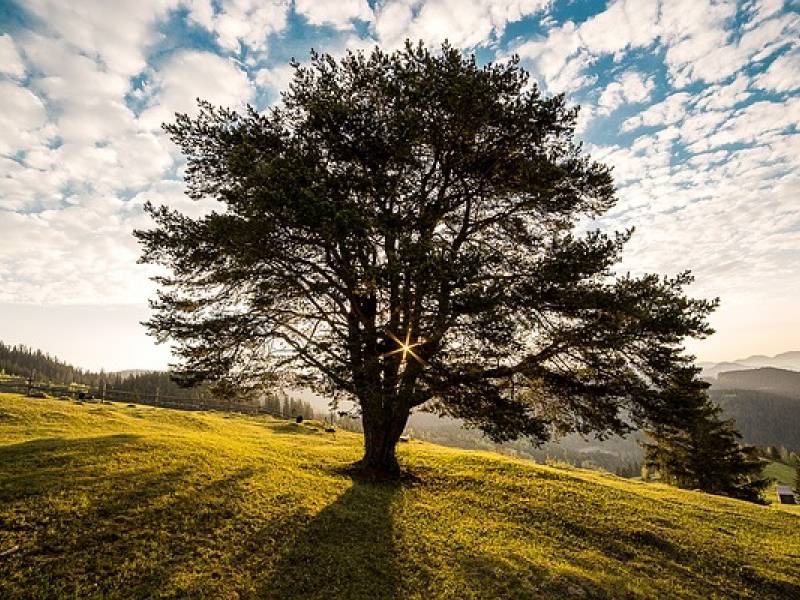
406 347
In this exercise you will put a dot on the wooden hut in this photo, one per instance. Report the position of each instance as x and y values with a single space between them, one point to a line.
786 495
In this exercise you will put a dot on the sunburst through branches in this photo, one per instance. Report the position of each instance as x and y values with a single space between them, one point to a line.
405 347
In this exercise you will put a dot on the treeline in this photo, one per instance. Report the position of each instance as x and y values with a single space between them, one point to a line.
154 382
780 454
24 362
21 361
282 405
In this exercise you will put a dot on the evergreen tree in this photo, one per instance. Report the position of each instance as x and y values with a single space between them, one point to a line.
797 480
699 449
403 230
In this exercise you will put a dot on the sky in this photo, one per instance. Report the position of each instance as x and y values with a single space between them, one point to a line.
695 103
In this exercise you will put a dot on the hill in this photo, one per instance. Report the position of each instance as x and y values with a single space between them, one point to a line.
120 502
764 379
785 360
763 418
712 370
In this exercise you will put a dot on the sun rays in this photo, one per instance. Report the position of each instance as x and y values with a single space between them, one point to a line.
406 347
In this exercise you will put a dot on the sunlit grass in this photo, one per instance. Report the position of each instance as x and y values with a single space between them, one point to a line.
112 501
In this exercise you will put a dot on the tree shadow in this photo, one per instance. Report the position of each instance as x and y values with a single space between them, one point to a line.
36 466
347 550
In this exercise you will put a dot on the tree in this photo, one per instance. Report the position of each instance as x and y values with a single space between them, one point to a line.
407 229
700 450
797 480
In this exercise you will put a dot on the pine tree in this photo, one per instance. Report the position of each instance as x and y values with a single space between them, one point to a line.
797 480
701 450
406 229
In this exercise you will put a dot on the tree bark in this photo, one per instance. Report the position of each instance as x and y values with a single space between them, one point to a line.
381 434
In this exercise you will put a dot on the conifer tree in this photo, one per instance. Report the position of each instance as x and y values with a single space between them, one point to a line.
699 449
405 229
797 480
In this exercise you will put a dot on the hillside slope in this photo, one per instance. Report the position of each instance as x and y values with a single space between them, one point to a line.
139 502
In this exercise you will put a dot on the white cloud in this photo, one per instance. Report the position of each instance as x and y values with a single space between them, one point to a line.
275 79
10 61
189 75
339 13
670 110
201 13
172 193
783 75
84 252
761 9
22 116
25 187
725 96
624 24
555 59
79 103
697 39
465 23
241 23
757 122
767 36
631 87
700 124
68 77
114 32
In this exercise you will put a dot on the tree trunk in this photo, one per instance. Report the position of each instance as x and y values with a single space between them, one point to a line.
381 434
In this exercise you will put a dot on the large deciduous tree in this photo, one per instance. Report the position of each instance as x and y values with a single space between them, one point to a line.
414 229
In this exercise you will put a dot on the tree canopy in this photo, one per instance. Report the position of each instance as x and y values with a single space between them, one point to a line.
412 229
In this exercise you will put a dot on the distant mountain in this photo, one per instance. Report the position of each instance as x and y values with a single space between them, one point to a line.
765 402
714 369
786 360
767 379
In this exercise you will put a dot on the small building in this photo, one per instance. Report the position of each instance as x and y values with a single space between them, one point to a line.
786 495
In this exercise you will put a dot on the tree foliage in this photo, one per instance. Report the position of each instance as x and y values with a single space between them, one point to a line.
797 480
414 229
703 451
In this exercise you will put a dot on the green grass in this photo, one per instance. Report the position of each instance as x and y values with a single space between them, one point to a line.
117 502
782 474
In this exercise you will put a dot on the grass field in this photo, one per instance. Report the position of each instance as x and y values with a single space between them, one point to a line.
118 502
782 474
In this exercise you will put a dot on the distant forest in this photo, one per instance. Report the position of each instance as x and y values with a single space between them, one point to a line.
21 361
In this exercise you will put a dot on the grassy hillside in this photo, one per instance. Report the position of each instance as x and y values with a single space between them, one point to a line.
783 474
112 501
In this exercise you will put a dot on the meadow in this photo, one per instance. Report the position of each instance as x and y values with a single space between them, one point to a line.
118 501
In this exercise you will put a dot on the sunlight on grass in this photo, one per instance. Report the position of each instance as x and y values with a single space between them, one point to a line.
114 501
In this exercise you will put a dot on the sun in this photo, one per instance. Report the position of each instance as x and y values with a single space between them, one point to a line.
406 347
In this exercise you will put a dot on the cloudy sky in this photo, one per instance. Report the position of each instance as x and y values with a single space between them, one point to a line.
696 103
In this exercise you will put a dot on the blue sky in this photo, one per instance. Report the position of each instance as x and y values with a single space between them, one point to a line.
696 104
